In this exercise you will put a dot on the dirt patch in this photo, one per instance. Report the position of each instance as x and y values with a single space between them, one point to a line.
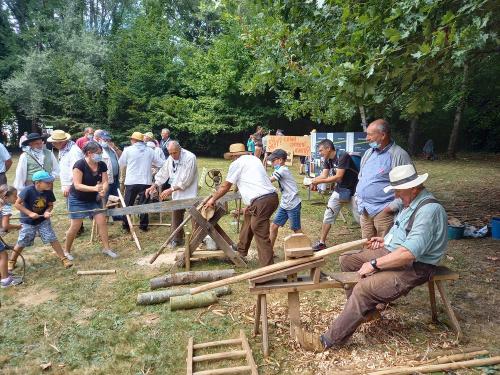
84 315
37 298
150 318
163 259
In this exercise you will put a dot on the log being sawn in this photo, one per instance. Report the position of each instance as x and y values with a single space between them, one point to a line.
280 266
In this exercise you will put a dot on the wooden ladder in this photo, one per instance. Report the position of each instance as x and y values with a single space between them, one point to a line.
246 352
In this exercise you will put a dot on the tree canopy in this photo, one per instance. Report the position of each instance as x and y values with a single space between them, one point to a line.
207 68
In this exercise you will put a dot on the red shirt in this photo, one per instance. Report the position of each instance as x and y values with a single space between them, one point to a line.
81 142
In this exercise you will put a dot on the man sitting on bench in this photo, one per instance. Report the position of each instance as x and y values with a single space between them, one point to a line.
391 266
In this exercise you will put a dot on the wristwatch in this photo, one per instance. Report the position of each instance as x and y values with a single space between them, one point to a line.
373 263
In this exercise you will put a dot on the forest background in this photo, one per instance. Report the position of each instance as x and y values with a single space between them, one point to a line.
211 71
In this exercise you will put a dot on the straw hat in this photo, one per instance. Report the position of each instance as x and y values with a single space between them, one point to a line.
149 134
138 136
59 136
405 177
236 149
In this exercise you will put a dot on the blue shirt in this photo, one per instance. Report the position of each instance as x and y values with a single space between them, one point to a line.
428 237
374 177
4 156
114 160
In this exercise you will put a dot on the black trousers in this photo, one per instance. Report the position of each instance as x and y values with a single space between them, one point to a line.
131 193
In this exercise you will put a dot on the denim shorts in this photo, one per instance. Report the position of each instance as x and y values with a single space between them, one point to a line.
283 215
28 233
2 247
75 204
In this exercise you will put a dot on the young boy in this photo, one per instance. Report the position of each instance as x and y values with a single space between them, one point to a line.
290 203
36 202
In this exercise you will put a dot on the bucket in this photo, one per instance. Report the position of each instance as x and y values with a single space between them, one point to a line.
455 233
495 228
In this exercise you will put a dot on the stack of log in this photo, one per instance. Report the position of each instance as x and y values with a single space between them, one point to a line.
180 298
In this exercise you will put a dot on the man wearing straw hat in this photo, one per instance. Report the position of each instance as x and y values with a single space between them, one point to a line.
69 154
391 266
35 158
138 159
248 174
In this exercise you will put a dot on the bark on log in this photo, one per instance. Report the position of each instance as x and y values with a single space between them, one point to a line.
192 302
162 296
182 278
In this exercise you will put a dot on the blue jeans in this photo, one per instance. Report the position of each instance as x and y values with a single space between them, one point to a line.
113 190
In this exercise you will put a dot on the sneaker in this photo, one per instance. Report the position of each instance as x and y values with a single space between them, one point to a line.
66 262
69 256
319 246
11 281
110 253
11 265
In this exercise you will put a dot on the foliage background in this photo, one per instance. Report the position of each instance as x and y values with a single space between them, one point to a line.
212 68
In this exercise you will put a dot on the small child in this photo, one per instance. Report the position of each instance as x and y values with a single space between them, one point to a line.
35 202
290 203
9 199
6 279
251 144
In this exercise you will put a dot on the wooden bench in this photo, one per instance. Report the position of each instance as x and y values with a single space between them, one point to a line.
288 281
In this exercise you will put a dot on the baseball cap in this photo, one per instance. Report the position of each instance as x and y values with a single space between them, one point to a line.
106 136
42 176
277 154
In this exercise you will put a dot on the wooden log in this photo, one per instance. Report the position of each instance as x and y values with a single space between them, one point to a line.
279 266
182 278
460 357
440 353
162 296
440 367
188 301
95 272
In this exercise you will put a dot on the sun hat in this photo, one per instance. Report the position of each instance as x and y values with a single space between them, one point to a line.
138 136
236 149
149 134
42 176
59 136
277 154
31 137
405 177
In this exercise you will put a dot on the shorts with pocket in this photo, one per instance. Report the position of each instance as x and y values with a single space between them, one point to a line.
28 233
283 215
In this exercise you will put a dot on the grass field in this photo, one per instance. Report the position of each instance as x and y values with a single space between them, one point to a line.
91 325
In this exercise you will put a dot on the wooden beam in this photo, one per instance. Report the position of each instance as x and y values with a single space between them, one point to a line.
248 351
221 355
189 358
211 344
129 221
288 271
225 371
280 266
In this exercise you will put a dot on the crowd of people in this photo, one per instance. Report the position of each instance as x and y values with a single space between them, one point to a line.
404 224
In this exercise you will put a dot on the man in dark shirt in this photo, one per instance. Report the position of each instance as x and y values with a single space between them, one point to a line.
345 177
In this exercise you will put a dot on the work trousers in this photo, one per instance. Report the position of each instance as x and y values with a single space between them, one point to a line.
177 219
376 226
381 287
256 223
131 193
113 190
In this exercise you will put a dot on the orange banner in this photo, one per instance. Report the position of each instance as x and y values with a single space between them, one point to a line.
299 145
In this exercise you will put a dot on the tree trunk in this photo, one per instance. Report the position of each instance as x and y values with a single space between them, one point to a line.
452 145
412 137
181 278
192 302
363 117
161 296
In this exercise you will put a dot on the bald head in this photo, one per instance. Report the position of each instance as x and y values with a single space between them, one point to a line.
379 131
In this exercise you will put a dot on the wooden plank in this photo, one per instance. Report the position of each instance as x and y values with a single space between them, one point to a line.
316 275
299 252
432 298
256 322
296 240
189 358
449 309
212 344
248 351
96 272
282 265
166 206
130 226
300 286
221 355
225 371
294 311
444 273
288 271
347 278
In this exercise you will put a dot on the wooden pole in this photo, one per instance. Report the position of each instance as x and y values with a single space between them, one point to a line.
176 230
130 226
181 278
162 296
440 367
279 266
96 272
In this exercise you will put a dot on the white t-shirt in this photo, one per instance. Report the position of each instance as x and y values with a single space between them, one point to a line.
289 190
249 175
